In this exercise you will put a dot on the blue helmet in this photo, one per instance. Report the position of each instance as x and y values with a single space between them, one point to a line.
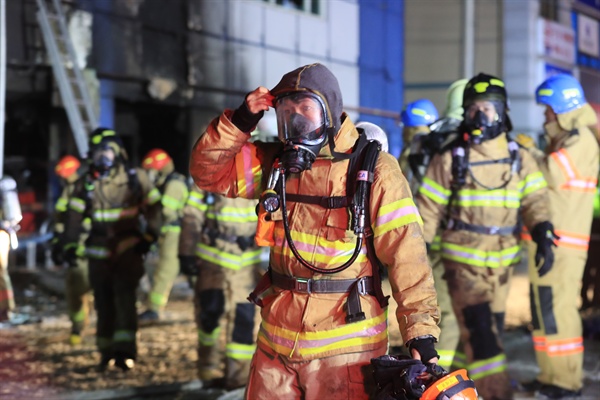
562 92
420 112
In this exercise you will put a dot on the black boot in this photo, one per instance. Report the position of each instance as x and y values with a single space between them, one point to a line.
106 360
124 361
556 392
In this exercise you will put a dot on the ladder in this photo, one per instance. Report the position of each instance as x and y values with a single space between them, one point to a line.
73 89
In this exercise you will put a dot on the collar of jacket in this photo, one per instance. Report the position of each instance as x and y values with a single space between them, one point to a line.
344 139
493 148
579 118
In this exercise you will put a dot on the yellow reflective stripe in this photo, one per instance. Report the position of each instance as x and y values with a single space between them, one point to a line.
287 342
172 203
115 214
153 196
446 358
77 204
237 214
433 190
61 204
196 200
489 198
158 299
317 248
487 367
394 215
481 258
97 252
170 228
227 260
239 351
78 316
249 172
532 182
124 335
436 245
208 338
460 360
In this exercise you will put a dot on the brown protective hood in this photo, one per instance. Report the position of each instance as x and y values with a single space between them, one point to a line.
317 79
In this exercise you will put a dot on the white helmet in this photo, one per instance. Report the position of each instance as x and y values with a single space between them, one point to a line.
374 132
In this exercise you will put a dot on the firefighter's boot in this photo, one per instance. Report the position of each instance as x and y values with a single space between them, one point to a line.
236 373
209 364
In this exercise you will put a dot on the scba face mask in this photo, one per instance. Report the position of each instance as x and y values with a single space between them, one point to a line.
302 127
103 159
482 120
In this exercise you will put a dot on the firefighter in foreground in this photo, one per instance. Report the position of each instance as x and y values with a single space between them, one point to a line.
479 188
323 314
10 216
77 286
570 167
217 247
430 140
174 193
114 197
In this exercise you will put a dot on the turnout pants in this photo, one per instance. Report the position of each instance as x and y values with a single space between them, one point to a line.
346 376
478 297
225 320
167 269
7 301
114 282
77 288
557 334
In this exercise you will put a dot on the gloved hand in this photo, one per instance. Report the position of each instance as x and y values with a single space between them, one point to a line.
247 115
525 141
543 235
146 241
188 265
70 254
424 346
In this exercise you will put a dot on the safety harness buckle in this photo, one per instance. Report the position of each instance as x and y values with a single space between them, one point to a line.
361 285
303 285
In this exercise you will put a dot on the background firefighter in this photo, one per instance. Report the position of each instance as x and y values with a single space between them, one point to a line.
319 330
10 216
114 198
174 193
570 166
77 286
217 246
479 188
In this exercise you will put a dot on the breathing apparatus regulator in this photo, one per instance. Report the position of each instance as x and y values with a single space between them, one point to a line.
298 155
11 209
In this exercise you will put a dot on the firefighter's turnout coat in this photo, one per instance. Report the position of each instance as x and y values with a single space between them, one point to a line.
571 170
307 326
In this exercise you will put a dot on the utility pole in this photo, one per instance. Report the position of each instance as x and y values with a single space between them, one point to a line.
468 38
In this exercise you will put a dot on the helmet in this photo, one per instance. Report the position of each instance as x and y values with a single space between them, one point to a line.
453 386
454 99
374 132
562 92
67 166
420 112
156 159
479 125
102 142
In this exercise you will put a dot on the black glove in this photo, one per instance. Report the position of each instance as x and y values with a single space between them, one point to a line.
424 345
57 252
146 241
543 235
70 254
243 118
188 265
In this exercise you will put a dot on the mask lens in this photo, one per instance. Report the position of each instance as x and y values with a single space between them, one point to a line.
104 158
301 119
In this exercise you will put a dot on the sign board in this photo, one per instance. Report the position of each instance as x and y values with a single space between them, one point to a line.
559 42
588 37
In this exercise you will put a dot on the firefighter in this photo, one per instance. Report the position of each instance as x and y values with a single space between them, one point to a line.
77 287
114 197
218 237
478 189
570 167
323 313
432 139
174 193
415 120
10 216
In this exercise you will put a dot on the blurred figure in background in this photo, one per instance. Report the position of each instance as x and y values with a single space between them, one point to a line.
115 198
10 216
174 193
77 287
570 166
217 247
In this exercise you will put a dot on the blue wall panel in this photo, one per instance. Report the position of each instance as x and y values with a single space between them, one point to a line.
381 63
